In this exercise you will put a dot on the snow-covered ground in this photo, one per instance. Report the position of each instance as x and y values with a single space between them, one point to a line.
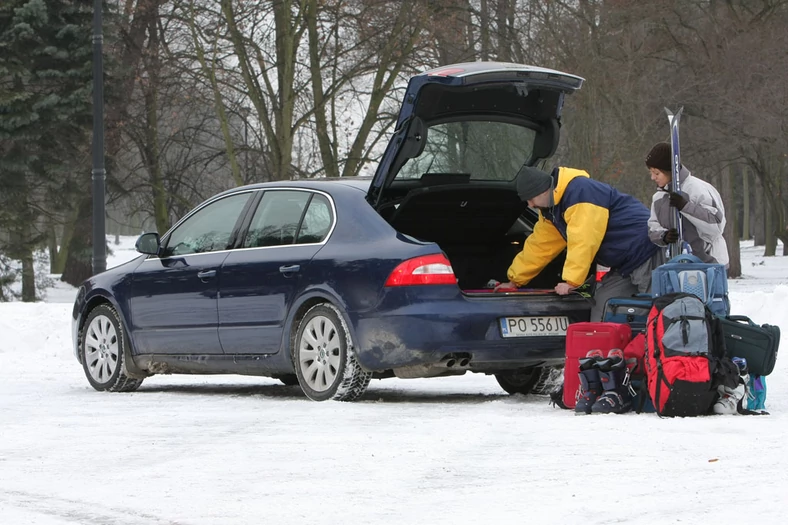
238 450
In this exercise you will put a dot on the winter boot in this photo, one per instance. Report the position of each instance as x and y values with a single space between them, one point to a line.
615 398
756 393
731 399
590 385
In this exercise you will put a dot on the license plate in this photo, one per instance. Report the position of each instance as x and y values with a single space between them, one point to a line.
533 326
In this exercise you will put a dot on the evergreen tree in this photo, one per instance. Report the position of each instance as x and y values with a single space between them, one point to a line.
45 120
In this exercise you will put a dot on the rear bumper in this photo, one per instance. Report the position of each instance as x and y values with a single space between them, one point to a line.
411 328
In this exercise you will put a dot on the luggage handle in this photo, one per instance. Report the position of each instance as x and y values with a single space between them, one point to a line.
742 318
685 258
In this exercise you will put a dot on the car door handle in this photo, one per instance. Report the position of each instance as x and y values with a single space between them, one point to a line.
289 270
206 274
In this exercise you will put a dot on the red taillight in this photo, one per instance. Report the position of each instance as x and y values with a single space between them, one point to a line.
429 269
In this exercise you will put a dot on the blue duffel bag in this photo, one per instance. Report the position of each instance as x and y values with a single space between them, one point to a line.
686 273
632 310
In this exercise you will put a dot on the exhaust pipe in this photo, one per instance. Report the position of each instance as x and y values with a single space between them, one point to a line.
454 362
448 362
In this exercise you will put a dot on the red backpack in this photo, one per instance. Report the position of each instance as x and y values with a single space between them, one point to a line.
683 343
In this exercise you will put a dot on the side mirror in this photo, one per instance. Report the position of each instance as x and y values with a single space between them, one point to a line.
148 243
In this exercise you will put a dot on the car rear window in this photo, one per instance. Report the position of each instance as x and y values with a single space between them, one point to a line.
475 150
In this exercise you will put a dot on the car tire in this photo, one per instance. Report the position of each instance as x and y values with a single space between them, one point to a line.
324 358
551 378
520 381
103 347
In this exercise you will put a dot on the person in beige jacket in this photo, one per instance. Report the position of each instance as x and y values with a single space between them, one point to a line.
699 203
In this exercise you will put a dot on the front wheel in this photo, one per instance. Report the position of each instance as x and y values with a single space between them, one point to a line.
324 358
520 381
103 345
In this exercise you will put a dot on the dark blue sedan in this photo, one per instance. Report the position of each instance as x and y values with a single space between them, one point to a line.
329 283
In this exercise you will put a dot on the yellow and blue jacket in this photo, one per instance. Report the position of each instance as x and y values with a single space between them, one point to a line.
594 222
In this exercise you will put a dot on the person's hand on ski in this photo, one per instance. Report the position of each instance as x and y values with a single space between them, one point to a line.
564 288
670 236
677 200
505 287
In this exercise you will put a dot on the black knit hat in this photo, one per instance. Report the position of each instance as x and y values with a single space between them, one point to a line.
532 182
660 157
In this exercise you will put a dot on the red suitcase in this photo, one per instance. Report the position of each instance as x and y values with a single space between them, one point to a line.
582 338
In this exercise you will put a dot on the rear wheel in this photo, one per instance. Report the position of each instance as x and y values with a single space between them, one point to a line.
324 359
520 381
103 345
550 378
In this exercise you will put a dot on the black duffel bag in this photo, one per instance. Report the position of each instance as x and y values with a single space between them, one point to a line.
757 344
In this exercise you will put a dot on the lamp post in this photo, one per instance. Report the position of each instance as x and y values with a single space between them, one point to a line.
99 175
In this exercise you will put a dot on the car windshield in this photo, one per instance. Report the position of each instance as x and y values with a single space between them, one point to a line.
479 150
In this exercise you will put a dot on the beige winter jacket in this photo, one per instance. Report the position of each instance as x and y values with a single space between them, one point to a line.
703 218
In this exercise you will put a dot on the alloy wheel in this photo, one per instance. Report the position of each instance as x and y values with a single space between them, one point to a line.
320 353
102 349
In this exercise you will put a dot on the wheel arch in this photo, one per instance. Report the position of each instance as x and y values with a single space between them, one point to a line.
299 309
96 300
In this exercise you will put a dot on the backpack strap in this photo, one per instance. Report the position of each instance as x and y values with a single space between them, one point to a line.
674 281
711 275
643 393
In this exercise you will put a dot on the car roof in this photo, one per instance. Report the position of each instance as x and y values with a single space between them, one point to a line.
322 184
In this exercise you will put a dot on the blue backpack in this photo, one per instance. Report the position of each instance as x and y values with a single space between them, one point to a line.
687 274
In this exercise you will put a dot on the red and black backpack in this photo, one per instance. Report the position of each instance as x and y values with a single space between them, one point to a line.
684 356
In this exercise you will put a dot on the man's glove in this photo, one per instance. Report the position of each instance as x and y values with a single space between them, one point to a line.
677 200
670 236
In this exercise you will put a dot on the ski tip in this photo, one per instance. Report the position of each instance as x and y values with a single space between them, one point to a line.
677 114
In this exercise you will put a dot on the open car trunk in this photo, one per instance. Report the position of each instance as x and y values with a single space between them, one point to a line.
449 172
480 227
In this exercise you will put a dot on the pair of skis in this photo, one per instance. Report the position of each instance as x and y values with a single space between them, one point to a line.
675 185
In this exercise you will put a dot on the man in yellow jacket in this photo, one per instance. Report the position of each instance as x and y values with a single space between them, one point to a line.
595 223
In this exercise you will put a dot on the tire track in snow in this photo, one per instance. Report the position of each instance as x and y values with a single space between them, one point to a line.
83 512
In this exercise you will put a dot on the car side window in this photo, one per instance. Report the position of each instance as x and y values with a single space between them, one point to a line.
317 221
209 229
276 219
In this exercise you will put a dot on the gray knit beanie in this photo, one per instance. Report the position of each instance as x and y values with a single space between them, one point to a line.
532 182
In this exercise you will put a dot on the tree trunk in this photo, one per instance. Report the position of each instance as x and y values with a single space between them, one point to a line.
52 248
773 183
152 153
484 30
209 70
731 232
28 277
745 234
770 240
758 213
280 132
78 266
328 152
382 83
65 240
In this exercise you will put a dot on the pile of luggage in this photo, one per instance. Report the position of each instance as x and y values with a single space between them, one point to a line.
676 352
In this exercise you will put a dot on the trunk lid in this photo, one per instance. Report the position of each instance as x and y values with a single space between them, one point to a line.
473 121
